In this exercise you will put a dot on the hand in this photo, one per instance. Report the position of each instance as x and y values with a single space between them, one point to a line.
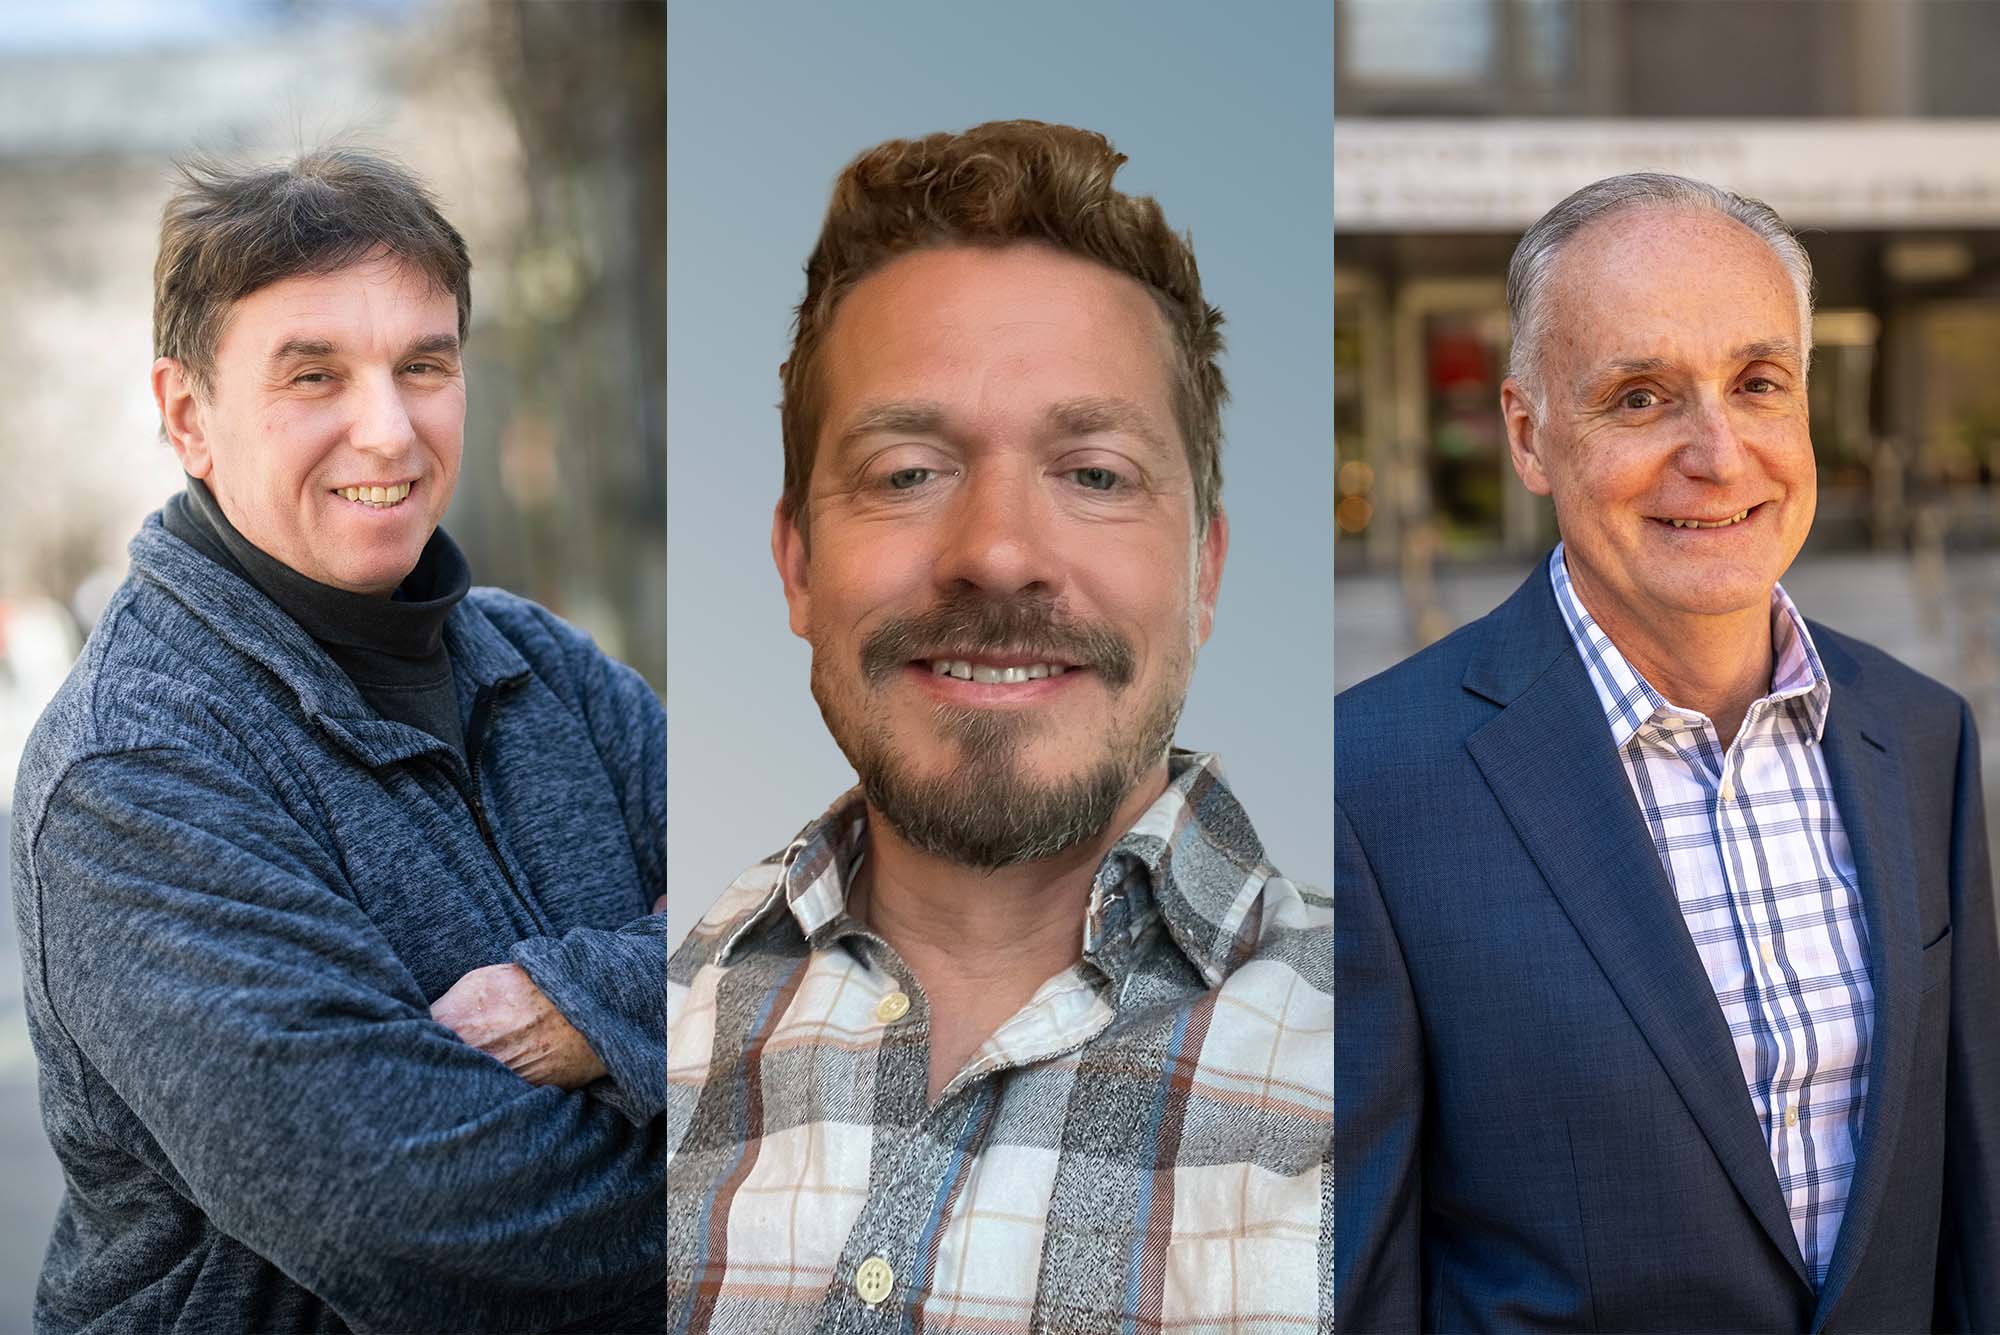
499 1010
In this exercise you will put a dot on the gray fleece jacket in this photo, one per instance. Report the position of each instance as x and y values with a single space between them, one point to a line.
239 889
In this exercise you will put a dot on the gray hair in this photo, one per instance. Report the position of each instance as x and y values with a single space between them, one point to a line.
1535 258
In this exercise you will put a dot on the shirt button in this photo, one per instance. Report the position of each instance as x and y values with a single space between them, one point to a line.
1770 955
873 1278
1791 1118
1728 787
892 1007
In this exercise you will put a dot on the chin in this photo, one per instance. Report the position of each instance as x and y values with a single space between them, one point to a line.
1719 596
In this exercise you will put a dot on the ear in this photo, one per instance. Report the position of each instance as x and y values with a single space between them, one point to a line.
788 551
1526 441
182 416
1208 574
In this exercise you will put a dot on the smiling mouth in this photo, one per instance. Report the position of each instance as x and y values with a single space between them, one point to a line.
376 498
1727 521
993 674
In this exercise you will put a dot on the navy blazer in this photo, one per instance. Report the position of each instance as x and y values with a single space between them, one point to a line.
1541 1120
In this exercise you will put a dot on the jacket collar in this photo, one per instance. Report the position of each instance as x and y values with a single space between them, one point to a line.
247 621
1550 763
1549 760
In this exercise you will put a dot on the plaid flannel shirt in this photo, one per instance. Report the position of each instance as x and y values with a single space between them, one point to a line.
1759 860
1146 1145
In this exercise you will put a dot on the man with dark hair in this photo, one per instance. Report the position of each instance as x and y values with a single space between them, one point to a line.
1668 967
1025 1032
334 873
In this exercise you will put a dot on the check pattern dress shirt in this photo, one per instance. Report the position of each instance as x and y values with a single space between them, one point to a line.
1759 860
1145 1146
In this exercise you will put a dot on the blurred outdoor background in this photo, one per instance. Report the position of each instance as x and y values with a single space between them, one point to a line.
540 127
1872 125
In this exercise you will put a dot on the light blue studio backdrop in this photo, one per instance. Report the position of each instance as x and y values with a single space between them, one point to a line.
1228 120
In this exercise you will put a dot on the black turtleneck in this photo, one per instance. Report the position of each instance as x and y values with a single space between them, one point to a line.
391 648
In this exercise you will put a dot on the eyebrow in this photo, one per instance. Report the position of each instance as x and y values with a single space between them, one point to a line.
293 348
1768 350
919 417
1095 415
430 345
1091 415
1762 350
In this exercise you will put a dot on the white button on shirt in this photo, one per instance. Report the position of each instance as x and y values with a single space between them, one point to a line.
873 1279
1753 845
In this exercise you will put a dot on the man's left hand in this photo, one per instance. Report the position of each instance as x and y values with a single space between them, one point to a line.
499 1010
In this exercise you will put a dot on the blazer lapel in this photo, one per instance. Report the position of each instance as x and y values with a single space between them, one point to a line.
1548 758
1874 809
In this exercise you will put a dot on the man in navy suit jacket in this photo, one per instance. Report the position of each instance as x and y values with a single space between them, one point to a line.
1668 978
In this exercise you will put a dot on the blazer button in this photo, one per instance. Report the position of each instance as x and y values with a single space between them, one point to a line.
892 1007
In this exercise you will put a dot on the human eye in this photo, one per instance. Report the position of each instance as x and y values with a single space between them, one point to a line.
313 378
1096 478
908 479
1762 384
1638 400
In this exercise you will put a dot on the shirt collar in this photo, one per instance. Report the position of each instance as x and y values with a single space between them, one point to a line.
1629 700
1191 860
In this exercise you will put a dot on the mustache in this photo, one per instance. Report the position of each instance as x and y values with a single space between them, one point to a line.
967 625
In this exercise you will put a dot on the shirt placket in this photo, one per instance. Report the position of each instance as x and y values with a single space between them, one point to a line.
1777 1097
922 1157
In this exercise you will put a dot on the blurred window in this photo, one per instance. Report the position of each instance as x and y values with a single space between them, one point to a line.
1418 41
1456 57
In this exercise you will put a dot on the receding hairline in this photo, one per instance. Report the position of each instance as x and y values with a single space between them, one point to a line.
1557 280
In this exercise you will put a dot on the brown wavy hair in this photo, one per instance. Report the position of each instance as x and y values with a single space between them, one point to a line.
992 185
227 231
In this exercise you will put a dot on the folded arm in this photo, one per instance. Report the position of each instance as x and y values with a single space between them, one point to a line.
200 959
609 988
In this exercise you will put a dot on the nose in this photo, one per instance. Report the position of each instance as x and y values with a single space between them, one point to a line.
381 423
998 535
1715 450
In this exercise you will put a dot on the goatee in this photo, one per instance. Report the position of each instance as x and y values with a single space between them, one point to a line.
988 811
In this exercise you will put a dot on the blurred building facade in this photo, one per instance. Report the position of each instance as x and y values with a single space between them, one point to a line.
1872 125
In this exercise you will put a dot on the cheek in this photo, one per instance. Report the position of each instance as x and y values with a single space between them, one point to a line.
440 420
855 578
272 465
1145 592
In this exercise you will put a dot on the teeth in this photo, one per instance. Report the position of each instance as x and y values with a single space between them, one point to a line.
1736 518
376 495
994 676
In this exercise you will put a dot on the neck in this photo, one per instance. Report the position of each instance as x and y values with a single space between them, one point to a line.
982 940
1718 664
